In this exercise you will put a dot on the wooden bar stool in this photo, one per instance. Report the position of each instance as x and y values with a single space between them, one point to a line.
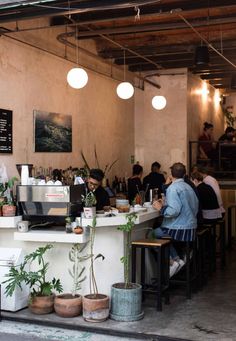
202 256
221 224
188 273
162 251
231 209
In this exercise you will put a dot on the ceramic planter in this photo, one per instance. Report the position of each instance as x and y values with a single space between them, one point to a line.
90 212
41 305
126 304
95 308
66 305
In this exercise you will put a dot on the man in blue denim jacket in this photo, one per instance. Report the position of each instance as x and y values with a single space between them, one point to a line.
179 212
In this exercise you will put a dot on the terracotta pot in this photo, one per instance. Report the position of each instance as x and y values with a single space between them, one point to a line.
95 308
8 210
67 305
41 305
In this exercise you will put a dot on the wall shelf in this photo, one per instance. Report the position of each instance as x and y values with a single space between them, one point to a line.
51 236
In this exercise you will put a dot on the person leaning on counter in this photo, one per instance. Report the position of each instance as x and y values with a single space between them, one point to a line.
94 183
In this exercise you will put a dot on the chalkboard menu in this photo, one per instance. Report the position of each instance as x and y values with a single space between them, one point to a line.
5 131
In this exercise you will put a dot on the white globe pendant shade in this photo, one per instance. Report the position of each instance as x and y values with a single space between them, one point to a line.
159 102
125 90
77 78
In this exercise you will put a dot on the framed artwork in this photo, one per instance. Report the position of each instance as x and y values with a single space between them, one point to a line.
52 132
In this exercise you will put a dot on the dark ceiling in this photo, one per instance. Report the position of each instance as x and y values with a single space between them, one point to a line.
156 35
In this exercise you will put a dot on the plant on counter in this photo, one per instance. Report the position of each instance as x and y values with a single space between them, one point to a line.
95 305
8 204
70 305
89 199
126 297
41 288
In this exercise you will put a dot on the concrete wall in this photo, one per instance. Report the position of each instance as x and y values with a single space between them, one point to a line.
160 135
31 79
164 135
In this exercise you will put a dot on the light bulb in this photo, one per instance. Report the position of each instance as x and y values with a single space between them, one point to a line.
77 78
159 102
125 90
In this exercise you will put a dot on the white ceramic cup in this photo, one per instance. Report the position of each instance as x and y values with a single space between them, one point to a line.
23 226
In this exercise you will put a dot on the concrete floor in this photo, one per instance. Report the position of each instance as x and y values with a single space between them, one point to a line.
209 315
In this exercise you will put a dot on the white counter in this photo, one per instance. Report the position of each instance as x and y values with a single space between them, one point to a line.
109 241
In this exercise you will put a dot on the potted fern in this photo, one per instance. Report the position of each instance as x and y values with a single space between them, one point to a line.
70 305
89 201
95 305
41 298
126 297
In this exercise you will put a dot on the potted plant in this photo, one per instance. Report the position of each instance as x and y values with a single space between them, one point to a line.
126 297
41 296
95 305
8 205
70 304
89 201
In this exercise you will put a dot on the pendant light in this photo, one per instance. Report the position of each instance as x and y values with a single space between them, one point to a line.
159 102
125 90
77 77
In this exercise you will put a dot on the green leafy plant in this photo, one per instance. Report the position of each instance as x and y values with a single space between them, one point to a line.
230 119
77 271
89 199
36 280
7 185
127 229
107 167
93 283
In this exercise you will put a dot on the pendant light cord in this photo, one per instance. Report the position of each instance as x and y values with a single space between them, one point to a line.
124 66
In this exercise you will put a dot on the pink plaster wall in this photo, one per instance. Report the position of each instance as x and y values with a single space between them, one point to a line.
31 79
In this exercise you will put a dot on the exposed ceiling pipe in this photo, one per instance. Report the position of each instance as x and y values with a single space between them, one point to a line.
82 7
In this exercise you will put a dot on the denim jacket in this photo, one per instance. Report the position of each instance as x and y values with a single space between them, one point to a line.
181 206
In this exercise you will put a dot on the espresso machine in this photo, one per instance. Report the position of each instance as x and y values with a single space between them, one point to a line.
48 206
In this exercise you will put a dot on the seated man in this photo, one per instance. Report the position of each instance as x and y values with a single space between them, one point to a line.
94 183
210 208
179 213
154 179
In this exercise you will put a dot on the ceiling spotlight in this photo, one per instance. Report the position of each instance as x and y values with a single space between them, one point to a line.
159 102
201 55
233 82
